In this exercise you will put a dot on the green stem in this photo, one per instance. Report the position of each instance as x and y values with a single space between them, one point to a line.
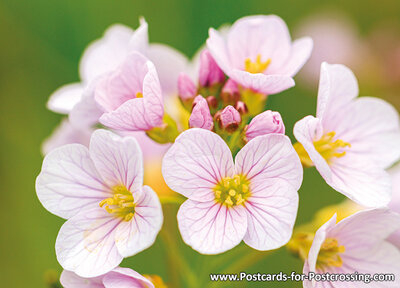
171 200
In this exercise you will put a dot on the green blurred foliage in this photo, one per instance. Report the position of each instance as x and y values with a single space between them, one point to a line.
41 43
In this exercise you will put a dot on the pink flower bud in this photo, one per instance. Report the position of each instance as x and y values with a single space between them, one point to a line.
229 119
186 88
209 73
241 107
212 102
201 116
230 92
268 122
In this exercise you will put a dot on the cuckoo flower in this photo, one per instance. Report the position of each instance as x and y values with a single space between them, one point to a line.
117 278
265 123
201 116
355 244
103 56
131 96
254 199
99 190
351 140
394 205
258 53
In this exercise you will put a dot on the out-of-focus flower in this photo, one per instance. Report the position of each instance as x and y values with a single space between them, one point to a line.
135 104
117 278
336 40
355 244
254 199
352 140
394 205
265 123
229 119
258 53
66 133
99 190
201 116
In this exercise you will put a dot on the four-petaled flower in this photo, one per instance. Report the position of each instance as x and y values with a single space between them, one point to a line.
355 244
258 53
99 190
254 199
352 140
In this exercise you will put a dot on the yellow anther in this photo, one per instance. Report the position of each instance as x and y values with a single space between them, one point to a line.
326 146
139 95
257 66
232 191
121 204
329 254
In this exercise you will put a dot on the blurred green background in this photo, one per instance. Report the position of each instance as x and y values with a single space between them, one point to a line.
41 43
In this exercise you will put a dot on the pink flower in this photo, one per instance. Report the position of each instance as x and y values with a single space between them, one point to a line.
201 116
352 140
265 123
186 88
229 119
99 190
105 55
258 53
117 278
131 96
253 199
66 133
209 73
394 205
355 244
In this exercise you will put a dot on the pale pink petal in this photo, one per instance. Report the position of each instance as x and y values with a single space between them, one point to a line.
69 181
186 88
337 87
140 113
196 162
140 232
87 112
251 36
169 63
371 126
69 279
267 122
211 228
105 53
217 47
271 214
395 203
140 38
361 180
201 116
65 98
267 84
126 278
86 243
306 131
299 54
118 160
209 72
65 133
269 158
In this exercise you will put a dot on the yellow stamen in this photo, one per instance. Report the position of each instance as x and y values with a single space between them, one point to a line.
326 146
232 191
256 66
121 204
139 95
329 254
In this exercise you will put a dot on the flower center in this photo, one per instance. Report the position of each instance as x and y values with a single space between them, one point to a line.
256 66
139 95
329 254
121 204
232 191
327 147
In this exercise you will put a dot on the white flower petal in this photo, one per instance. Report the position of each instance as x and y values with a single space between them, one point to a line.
69 279
141 232
196 162
69 181
65 98
126 278
86 243
211 228
118 160
271 211
270 158
300 52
